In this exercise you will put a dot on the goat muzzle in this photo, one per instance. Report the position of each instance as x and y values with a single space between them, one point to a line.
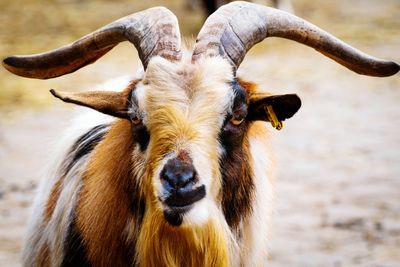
180 189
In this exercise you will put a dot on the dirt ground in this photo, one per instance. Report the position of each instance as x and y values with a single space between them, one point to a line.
338 186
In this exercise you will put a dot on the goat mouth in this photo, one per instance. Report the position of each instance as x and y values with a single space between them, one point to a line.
178 203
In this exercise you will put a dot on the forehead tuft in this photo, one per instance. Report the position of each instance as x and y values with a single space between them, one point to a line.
187 75
186 85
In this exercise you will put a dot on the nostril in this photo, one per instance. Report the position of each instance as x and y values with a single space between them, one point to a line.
177 174
167 182
169 178
185 178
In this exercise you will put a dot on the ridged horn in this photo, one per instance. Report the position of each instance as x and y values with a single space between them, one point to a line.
154 31
236 27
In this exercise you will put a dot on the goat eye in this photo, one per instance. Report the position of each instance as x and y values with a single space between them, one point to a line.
136 119
236 120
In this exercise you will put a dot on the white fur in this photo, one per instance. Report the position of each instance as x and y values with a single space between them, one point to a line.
256 228
203 96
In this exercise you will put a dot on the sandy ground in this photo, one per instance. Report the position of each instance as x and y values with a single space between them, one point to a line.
338 187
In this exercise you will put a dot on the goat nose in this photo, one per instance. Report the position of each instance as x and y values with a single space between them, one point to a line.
178 174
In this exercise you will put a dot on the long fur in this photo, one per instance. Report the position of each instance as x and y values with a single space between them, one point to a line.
100 208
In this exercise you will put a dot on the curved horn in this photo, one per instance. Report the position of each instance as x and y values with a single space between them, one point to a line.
234 28
154 31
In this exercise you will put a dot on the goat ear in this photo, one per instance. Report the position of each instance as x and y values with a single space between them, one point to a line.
107 102
273 108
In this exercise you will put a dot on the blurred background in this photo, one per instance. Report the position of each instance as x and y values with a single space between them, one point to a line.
338 186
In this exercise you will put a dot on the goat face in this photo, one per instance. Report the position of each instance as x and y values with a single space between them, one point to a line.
188 117
183 108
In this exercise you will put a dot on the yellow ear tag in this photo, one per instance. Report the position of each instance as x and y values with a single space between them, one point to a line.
277 124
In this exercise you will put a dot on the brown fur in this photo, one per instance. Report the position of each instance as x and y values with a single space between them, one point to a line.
103 208
249 87
105 187
237 174
167 127
160 244
237 185
163 245
43 258
52 199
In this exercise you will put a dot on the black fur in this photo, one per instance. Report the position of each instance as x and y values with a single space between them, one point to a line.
237 181
285 106
141 136
85 144
75 254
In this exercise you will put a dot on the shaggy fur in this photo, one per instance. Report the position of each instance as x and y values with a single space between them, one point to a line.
101 206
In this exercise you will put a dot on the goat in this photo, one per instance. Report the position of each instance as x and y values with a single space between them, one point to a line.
183 175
